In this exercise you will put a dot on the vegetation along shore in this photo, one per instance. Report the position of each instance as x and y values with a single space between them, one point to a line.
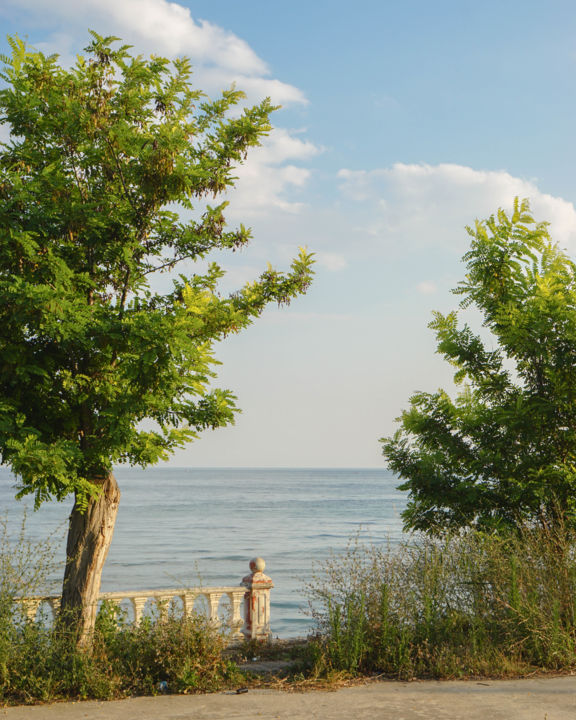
100 157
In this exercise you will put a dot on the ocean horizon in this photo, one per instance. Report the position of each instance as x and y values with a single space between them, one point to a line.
185 527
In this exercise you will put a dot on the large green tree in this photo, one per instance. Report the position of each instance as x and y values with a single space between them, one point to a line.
99 182
503 452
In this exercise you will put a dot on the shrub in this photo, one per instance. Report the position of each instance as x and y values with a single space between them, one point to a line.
465 604
181 654
41 662
25 566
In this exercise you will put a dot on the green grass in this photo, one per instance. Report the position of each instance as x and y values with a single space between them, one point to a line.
177 655
40 661
465 605
469 605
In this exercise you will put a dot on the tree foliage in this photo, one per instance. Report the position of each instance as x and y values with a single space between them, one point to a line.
104 167
503 452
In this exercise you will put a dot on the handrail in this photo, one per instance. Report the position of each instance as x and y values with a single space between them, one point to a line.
253 595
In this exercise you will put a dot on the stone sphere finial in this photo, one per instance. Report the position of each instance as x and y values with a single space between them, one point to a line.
257 564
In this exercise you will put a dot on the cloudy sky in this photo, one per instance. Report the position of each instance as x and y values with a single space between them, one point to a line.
401 123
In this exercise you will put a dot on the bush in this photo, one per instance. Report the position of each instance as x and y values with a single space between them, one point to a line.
466 604
180 654
41 662
25 566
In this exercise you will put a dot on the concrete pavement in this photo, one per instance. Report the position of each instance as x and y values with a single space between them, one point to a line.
544 698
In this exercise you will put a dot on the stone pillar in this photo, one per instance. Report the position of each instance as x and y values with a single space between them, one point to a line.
213 603
30 607
257 602
236 621
138 608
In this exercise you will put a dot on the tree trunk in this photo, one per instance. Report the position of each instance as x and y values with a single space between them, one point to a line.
90 533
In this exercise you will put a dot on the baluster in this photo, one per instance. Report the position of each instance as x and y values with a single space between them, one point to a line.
138 607
30 606
182 597
54 603
188 603
162 605
235 619
213 602
254 625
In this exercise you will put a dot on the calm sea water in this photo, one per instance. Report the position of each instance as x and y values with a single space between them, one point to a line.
182 527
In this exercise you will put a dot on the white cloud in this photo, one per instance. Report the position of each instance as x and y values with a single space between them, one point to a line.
281 145
269 174
213 79
330 261
166 28
220 58
169 26
173 31
426 288
426 205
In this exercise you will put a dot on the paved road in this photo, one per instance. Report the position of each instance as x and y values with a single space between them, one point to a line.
532 699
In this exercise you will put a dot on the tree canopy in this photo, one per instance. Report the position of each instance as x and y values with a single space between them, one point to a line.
503 451
104 167
104 184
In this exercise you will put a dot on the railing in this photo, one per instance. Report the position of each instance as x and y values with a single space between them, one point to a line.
252 597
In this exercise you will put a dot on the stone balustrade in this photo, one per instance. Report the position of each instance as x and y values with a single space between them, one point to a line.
248 615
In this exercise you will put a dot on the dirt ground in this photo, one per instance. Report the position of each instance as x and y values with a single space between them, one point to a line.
549 698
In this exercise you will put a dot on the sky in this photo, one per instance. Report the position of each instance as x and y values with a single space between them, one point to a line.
401 123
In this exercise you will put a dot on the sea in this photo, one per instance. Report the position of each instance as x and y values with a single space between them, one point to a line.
184 527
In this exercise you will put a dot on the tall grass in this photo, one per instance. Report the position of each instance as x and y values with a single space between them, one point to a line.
174 654
40 661
25 566
469 604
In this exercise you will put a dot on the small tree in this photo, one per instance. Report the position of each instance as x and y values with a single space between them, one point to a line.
102 161
504 451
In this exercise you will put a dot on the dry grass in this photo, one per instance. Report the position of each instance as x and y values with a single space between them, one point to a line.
469 605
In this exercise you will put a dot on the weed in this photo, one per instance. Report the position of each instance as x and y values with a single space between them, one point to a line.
40 661
466 604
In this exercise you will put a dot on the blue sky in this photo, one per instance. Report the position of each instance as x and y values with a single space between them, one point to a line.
401 123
